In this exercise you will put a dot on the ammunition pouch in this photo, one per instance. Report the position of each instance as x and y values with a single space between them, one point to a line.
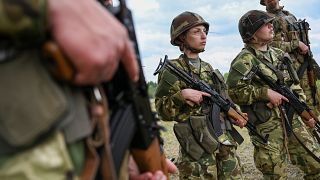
187 141
31 102
201 129
292 35
258 112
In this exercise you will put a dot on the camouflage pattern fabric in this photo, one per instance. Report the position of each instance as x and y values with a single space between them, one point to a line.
288 41
25 23
50 160
170 104
271 159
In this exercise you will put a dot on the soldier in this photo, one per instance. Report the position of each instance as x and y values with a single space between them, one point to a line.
287 39
44 123
262 103
175 101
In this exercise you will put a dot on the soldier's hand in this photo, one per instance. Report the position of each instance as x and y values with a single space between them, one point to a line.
193 96
311 123
240 122
134 173
93 39
276 98
303 49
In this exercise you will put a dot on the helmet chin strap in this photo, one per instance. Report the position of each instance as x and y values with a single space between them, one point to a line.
257 41
193 50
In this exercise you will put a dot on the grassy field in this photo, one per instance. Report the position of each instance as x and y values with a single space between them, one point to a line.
245 151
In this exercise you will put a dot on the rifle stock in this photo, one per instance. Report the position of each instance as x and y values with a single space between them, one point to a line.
147 161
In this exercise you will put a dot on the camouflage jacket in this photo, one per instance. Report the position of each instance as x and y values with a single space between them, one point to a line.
284 39
169 102
28 92
247 91
23 23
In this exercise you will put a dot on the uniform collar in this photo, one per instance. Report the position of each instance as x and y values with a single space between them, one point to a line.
275 11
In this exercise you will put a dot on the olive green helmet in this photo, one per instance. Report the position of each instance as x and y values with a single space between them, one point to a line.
262 2
183 22
251 22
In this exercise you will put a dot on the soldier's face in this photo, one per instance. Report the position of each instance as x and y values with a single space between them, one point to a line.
196 37
272 3
265 33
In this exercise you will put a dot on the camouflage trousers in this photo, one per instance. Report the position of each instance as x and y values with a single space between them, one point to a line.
272 159
305 85
223 165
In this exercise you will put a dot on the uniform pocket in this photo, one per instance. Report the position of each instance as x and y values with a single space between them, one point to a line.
31 101
187 141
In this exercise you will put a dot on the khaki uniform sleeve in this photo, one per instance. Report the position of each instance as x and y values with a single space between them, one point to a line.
169 100
244 91
23 20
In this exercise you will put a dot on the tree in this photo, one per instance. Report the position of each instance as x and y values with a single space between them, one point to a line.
151 88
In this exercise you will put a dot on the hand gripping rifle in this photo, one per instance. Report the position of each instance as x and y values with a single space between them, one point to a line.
133 124
302 27
226 105
294 105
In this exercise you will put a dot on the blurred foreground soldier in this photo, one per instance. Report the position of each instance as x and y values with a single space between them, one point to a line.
291 35
202 155
264 105
44 123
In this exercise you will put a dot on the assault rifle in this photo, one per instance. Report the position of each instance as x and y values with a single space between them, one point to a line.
294 104
302 27
133 125
226 105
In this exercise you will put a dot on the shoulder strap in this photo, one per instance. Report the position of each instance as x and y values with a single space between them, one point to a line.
278 73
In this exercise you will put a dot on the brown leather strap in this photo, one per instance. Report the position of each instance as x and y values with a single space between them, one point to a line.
99 139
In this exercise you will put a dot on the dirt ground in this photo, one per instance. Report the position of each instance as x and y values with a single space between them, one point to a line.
245 151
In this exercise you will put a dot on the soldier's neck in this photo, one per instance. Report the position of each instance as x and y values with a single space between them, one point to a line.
260 46
192 55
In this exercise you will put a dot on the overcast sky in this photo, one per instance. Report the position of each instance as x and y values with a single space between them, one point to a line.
153 18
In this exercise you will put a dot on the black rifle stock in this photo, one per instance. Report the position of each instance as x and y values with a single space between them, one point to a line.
295 104
226 105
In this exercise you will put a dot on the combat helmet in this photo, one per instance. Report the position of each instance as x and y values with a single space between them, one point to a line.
183 22
251 22
262 2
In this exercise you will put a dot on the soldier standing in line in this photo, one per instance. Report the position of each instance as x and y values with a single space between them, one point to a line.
200 156
45 123
262 103
287 39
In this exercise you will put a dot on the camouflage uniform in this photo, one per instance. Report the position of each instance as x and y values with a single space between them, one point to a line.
42 121
250 92
173 107
270 158
288 41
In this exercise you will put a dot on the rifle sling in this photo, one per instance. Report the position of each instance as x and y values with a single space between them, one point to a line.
302 69
236 135
300 141
215 119
97 146
278 73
